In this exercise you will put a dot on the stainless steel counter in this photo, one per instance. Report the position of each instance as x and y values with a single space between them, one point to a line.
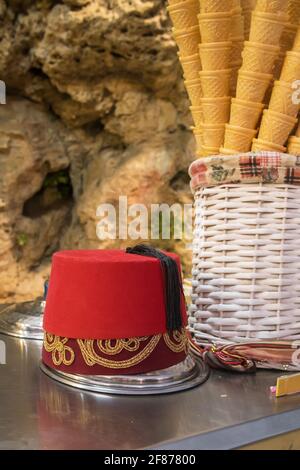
228 411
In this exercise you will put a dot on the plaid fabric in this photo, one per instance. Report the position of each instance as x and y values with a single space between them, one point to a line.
250 166
260 167
292 176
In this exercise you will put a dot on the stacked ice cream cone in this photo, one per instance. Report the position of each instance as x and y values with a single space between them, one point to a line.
230 74
280 118
237 38
288 35
255 75
294 143
215 22
247 8
186 32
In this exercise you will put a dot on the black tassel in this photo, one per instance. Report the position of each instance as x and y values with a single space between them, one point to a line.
173 284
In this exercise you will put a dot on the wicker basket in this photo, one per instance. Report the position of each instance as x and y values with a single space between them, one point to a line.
246 250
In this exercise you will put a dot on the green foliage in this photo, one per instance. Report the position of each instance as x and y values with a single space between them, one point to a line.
22 239
60 181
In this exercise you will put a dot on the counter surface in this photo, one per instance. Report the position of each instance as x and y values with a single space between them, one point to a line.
228 411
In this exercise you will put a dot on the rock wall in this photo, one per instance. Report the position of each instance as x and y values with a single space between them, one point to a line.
95 94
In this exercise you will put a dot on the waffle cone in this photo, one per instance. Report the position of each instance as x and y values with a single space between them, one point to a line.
198 133
282 99
259 145
225 151
294 11
215 110
184 14
274 6
259 57
216 83
236 50
213 135
252 86
234 79
248 4
266 28
297 133
291 67
237 24
296 45
191 66
276 127
187 40
215 27
208 151
211 6
174 2
245 114
215 56
238 138
294 145
194 91
288 37
278 65
197 114
247 8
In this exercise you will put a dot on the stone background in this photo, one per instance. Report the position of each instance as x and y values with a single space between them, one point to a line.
95 94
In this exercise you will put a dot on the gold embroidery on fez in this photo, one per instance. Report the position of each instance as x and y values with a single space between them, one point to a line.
180 338
59 350
176 341
91 358
131 345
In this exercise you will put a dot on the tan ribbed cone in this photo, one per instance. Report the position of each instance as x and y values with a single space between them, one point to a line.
296 45
236 51
191 66
224 151
259 145
211 6
198 133
238 138
252 86
276 127
247 8
194 91
245 113
184 14
288 37
208 151
294 145
237 23
291 67
294 11
215 56
259 57
215 110
272 6
214 27
266 28
278 65
282 99
297 133
248 4
213 135
234 79
197 115
215 83
187 40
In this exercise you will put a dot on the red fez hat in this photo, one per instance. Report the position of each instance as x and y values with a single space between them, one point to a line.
112 312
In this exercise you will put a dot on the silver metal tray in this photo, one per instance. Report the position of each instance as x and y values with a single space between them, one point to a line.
183 376
23 320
